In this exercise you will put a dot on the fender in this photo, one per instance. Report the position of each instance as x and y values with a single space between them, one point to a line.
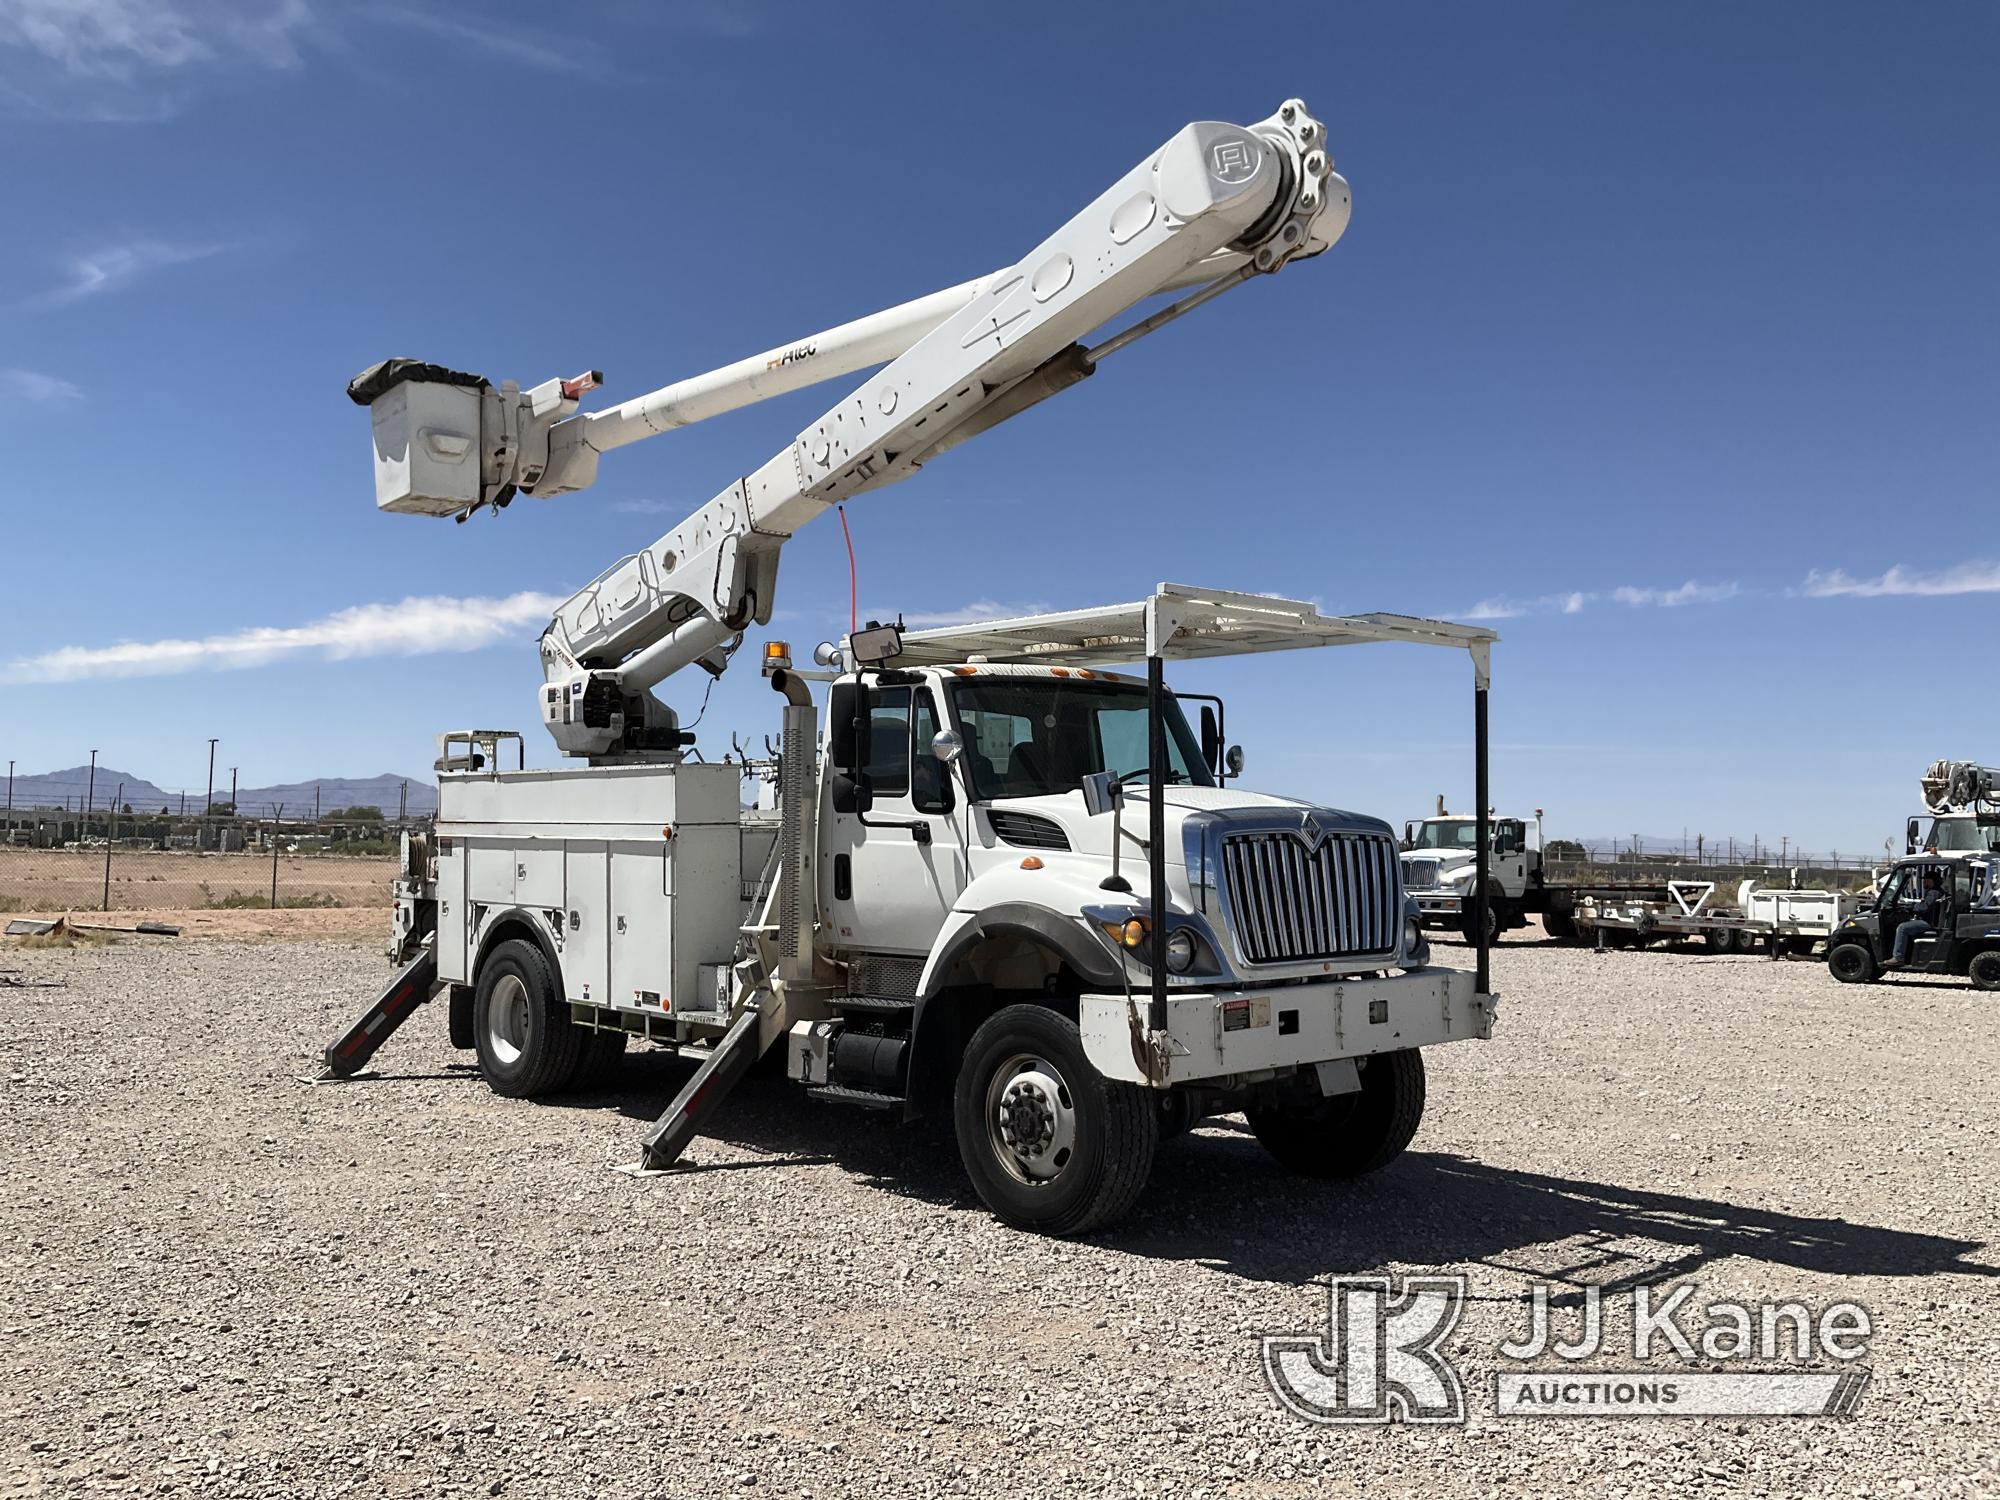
1062 936
514 917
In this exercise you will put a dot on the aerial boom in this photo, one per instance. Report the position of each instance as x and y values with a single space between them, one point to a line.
1214 206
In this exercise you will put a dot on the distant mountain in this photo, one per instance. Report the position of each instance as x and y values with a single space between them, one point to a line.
113 787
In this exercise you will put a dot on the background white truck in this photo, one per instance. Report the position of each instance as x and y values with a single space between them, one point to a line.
940 901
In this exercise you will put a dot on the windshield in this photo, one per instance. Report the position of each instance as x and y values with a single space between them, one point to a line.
1029 736
1964 836
1455 835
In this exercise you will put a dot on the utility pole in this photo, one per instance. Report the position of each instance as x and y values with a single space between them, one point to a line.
232 791
90 795
210 806
10 802
1784 847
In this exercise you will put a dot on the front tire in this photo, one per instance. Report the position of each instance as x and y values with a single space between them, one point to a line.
1348 1135
1050 1144
527 1046
1496 920
1851 963
1984 970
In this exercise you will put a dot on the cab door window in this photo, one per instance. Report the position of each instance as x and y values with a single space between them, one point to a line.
888 764
930 778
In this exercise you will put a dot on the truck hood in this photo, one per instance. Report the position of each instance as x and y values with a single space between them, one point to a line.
1089 835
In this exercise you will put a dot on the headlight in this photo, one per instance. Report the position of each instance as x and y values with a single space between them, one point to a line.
1416 948
1461 877
1180 950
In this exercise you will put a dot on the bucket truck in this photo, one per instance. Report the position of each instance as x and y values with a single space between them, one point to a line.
941 901
1963 802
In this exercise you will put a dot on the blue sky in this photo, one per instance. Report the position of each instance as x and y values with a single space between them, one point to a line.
1663 337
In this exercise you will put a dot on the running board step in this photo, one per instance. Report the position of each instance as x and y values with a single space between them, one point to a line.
879 1005
835 1093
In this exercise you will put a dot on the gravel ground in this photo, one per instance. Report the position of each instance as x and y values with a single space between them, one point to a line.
214 1279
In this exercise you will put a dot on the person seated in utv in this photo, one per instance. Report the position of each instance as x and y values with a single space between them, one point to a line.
1929 919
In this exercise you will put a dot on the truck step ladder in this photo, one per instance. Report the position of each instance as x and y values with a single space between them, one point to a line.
661 1146
840 1093
396 1004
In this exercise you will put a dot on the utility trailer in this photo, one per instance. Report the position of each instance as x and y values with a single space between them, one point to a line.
1781 921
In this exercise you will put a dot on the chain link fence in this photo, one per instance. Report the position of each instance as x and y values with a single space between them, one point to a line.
52 861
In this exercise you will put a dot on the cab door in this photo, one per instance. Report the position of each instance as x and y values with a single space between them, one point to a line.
890 875
1894 906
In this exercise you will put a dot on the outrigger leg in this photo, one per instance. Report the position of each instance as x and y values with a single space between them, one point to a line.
399 1000
661 1146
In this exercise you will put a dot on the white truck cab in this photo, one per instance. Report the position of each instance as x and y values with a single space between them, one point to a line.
1440 859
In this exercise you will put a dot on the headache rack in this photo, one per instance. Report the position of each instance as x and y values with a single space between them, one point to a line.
1179 622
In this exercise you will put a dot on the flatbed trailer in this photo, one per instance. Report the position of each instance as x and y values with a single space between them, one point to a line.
1781 922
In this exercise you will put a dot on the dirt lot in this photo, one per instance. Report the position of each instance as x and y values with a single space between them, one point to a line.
153 879
214 1279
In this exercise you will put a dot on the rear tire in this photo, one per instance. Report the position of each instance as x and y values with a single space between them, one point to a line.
1718 939
1349 1135
1851 963
1050 1143
1984 970
527 1046
1561 926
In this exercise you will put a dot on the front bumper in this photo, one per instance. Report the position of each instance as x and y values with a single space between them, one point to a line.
1217 1035
1438 906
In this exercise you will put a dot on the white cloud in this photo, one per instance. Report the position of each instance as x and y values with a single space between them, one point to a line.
1690 592
1575 601
521 48
109 267
974 613
650 507
32 385
128 60
1899 581
410 627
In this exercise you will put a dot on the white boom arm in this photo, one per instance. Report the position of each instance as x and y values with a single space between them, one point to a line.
1214 206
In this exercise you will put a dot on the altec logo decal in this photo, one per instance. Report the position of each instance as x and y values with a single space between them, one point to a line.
1382 1358
1233 161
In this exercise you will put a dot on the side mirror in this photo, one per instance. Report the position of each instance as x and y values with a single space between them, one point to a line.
947 745
850 794
1232 763
1211 738
1409 835
1910 835
1101 793
876 644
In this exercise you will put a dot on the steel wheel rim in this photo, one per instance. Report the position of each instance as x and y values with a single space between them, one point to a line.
1030 1119
507 1019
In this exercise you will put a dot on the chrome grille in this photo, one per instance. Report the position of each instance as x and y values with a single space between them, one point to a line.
1421 874
1291 903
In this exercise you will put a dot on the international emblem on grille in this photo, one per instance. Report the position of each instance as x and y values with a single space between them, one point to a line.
1309 826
